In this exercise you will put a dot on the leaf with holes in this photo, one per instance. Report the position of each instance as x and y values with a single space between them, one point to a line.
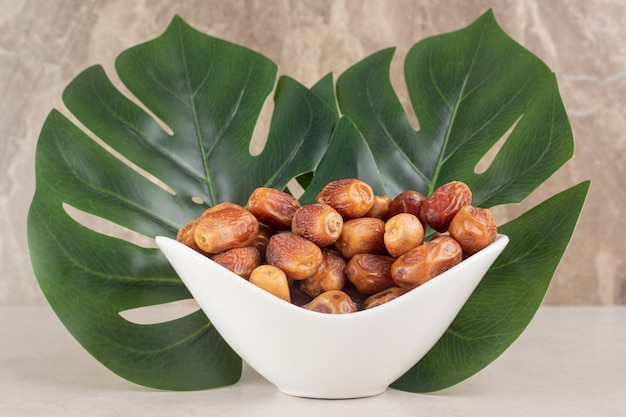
147 174
468 90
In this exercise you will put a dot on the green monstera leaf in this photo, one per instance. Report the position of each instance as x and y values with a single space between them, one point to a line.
208 93
151 164
468 89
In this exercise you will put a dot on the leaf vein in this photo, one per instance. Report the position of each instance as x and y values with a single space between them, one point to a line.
387 134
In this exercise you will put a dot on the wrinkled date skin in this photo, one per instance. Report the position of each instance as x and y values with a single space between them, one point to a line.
273 207
262 239
225 226
319 223
426 261
362 235
295 255
332 302
330 275
443 204
351 197
474 228
370 273
383 297
241 261
409 201
185 235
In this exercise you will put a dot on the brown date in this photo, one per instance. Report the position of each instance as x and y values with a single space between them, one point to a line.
380 208
383 297
426 261
329 276
262 239
443 204
240 261
409 201
332 302
474 228
273 280
350 197
403 232
362 235
370 273
319 223
295 255
185 235
224 226
273 207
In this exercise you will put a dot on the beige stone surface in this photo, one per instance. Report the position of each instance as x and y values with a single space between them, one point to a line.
44 44
567 363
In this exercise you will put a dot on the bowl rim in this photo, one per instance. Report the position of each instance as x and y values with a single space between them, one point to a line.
499 244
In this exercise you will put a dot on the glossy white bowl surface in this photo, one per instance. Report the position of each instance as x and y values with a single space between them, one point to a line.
310 354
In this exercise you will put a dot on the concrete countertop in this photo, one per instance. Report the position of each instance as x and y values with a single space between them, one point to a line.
569 362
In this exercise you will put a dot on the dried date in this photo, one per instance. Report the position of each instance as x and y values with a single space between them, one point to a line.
362 235
380 208
403 232
330 275
370 273
319 223
474 228
273 280
443 204
224 226
295 255
409 201
351 197
273 207
383 297
240 261
425 262
332 302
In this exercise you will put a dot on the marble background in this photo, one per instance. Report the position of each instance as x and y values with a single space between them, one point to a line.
44 44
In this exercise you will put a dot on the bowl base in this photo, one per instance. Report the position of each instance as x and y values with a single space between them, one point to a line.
347 395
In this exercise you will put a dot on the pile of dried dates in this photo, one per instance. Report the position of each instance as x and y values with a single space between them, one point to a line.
351 250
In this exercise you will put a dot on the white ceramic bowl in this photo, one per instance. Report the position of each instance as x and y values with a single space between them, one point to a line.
311 354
